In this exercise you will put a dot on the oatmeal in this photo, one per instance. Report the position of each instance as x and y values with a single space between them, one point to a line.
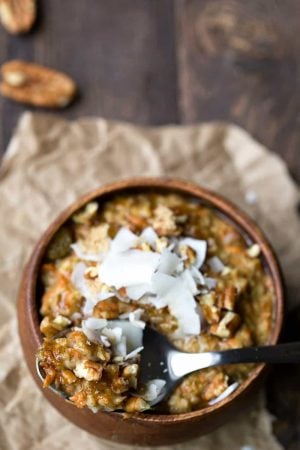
164 260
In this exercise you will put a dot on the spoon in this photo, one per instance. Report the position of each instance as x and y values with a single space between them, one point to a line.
161 360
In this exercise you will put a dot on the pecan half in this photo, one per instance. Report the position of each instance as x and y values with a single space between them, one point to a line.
17 16
36 85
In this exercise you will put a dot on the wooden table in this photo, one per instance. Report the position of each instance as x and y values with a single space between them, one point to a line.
180 61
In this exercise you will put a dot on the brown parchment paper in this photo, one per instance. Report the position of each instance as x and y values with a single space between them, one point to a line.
49 163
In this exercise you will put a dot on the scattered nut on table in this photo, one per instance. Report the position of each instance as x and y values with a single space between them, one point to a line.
17 16
36 85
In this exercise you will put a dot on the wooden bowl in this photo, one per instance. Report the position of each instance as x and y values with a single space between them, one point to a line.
145 429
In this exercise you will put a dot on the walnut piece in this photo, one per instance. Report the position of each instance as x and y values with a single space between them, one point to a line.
36 85
17 16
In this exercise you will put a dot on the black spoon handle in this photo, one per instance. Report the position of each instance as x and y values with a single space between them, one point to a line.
280 353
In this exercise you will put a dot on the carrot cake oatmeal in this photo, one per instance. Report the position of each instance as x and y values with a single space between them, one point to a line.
158 259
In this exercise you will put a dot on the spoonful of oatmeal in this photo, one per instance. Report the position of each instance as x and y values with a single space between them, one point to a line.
153 374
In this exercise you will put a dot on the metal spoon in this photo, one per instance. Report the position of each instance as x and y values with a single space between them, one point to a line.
160 360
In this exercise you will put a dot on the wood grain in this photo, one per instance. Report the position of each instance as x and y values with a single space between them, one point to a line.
239 62
121 53
165 61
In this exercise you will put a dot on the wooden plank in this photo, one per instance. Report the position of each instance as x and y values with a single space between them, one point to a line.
239 62
121 53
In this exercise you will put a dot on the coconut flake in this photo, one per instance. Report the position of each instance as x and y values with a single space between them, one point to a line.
91 299
105 341
95 257
169 263
133 334
153 389
124 337
211 283
94 323
120 349
134 352
149 235
197 275
162 284
92 329
189 281
224 394
112 334
129 268
124 240
180 302
157 302
198 246
78 280
136 314
137 291
216 264
135 318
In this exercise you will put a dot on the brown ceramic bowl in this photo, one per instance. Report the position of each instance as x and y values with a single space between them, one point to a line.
145 429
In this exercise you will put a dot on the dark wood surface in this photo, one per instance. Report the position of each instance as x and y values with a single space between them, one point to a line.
180 61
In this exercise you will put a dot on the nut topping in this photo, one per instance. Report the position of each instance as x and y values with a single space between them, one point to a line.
36 85
17 16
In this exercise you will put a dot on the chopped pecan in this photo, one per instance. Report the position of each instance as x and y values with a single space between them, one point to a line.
107 309
136 223
131 373
227 298
227 326
68 376
50 376
17 16
79 399
120 385
36 85
89 370
130 370
136 404
211 311
50 327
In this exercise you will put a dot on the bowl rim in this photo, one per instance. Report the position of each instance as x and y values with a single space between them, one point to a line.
230 210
